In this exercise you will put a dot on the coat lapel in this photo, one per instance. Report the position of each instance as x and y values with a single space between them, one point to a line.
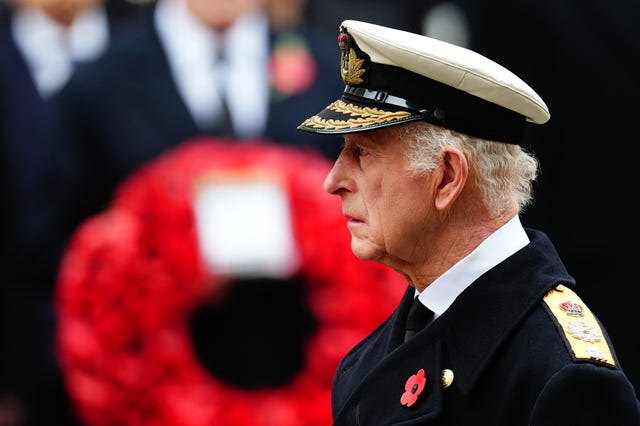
156 94
379 398
484 316
463 339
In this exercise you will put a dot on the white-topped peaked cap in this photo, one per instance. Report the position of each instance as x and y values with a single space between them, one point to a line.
394 77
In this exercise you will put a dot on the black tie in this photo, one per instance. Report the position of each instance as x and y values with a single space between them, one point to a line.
224 126
417 318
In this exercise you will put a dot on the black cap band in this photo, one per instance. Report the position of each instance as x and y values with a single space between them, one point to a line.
394 88
436 116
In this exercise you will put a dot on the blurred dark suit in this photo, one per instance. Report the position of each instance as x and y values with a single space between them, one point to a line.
26 126
27 366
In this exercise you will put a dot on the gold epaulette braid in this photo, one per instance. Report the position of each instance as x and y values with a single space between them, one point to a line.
582 331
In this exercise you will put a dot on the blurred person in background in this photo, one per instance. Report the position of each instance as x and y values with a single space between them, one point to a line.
184 68
41 43
177 70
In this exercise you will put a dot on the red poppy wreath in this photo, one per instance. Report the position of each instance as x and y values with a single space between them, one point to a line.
153 331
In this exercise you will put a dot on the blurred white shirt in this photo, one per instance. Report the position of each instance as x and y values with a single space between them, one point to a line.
51 49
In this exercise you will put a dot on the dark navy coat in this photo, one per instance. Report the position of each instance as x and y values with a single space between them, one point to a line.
512 363
28 368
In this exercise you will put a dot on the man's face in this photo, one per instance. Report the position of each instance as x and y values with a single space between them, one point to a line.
221 14
63 11
389 209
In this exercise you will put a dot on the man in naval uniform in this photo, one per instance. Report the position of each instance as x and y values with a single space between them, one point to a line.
432 181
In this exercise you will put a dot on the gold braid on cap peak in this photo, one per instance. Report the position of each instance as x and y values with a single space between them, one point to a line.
366 116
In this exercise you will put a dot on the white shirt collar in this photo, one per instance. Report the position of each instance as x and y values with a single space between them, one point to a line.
50 49
504 242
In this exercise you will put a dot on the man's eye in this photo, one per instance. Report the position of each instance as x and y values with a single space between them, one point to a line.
355 150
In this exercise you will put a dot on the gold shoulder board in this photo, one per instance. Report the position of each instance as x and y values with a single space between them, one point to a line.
584 336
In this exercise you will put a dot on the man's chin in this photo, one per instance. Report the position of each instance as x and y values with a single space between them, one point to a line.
364 250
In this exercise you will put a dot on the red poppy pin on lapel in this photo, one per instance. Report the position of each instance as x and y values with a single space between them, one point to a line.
413 388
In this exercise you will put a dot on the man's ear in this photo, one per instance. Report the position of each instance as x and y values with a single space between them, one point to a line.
455 171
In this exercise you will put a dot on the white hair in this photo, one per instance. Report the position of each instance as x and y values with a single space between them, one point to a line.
503 172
